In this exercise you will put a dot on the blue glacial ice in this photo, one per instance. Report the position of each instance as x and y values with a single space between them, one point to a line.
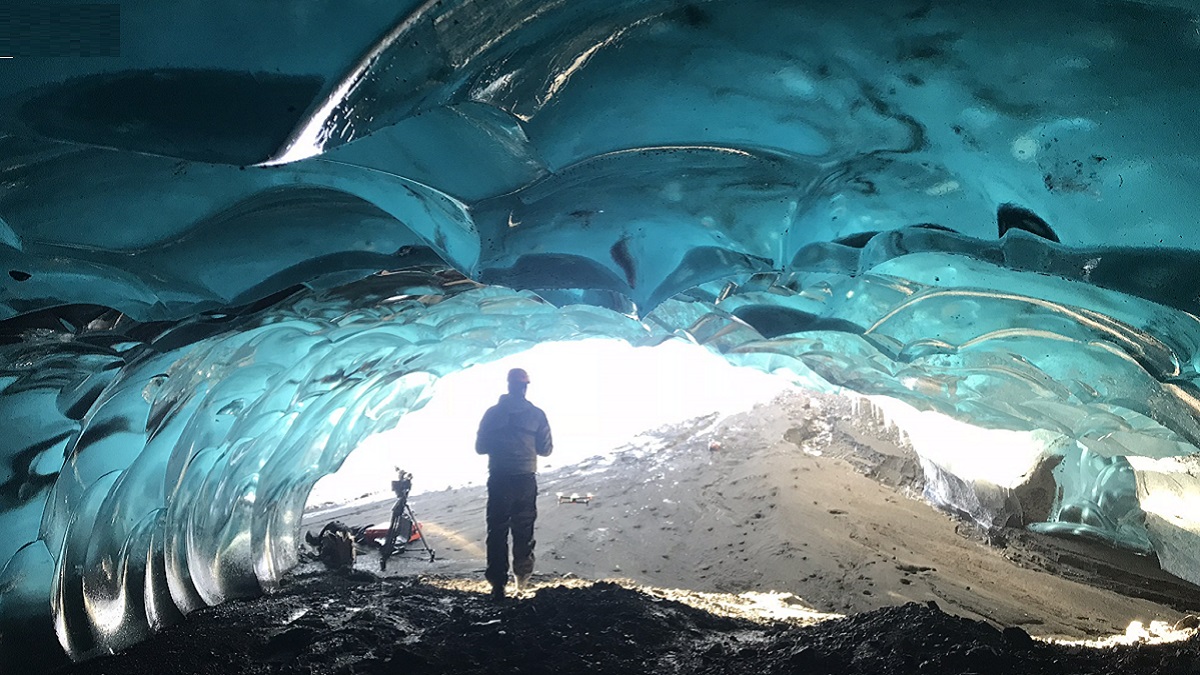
264 231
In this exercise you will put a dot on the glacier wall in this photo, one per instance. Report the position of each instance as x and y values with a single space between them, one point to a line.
187 466
164 467
262 231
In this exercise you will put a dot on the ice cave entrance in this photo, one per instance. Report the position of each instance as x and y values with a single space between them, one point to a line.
599 395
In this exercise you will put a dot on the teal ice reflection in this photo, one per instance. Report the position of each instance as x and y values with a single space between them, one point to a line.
233 252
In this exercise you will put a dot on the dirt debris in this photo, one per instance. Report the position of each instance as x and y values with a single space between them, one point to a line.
355 624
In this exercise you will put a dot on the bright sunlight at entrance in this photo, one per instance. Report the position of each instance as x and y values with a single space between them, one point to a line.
598 395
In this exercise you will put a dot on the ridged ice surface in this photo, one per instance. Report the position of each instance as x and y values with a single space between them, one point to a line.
982 209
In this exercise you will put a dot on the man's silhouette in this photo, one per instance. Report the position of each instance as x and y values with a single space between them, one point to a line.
512 433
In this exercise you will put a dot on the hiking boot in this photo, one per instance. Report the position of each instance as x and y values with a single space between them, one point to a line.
497 594
523 582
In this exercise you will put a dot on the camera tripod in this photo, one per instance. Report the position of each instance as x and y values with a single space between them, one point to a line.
404 528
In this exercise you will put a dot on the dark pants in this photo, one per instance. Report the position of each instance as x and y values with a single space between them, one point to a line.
512 505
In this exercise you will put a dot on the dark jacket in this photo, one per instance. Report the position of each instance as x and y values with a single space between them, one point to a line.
512 434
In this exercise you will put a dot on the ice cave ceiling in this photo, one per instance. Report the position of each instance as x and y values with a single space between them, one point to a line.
255 233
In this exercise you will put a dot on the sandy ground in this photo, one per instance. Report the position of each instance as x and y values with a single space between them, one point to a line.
808 496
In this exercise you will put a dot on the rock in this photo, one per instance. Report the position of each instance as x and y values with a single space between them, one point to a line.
1189 622
1016 638
804 659
334 545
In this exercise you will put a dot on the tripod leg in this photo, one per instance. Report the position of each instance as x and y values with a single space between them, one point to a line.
417 528
389 544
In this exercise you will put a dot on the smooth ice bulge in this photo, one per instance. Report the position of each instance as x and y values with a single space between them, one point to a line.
236 250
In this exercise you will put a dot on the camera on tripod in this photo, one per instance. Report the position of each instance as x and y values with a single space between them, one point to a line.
404 528
403 485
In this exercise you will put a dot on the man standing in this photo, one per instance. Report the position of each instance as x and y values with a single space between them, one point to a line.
512 434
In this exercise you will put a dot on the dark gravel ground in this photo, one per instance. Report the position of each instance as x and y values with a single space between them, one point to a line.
357 624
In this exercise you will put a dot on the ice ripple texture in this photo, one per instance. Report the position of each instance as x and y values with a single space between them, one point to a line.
185 478
963 206
187 467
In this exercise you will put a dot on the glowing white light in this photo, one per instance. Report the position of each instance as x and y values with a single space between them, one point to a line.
1158 632
669 148
1170 505
487 92
309 139
997 456
598 395
1169 493
580 61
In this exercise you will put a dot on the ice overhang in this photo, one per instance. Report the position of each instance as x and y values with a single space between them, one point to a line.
239 247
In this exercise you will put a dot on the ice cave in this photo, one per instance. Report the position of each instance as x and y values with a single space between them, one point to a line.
240 238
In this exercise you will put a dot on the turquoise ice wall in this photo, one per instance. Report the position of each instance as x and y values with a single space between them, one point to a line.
984 209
